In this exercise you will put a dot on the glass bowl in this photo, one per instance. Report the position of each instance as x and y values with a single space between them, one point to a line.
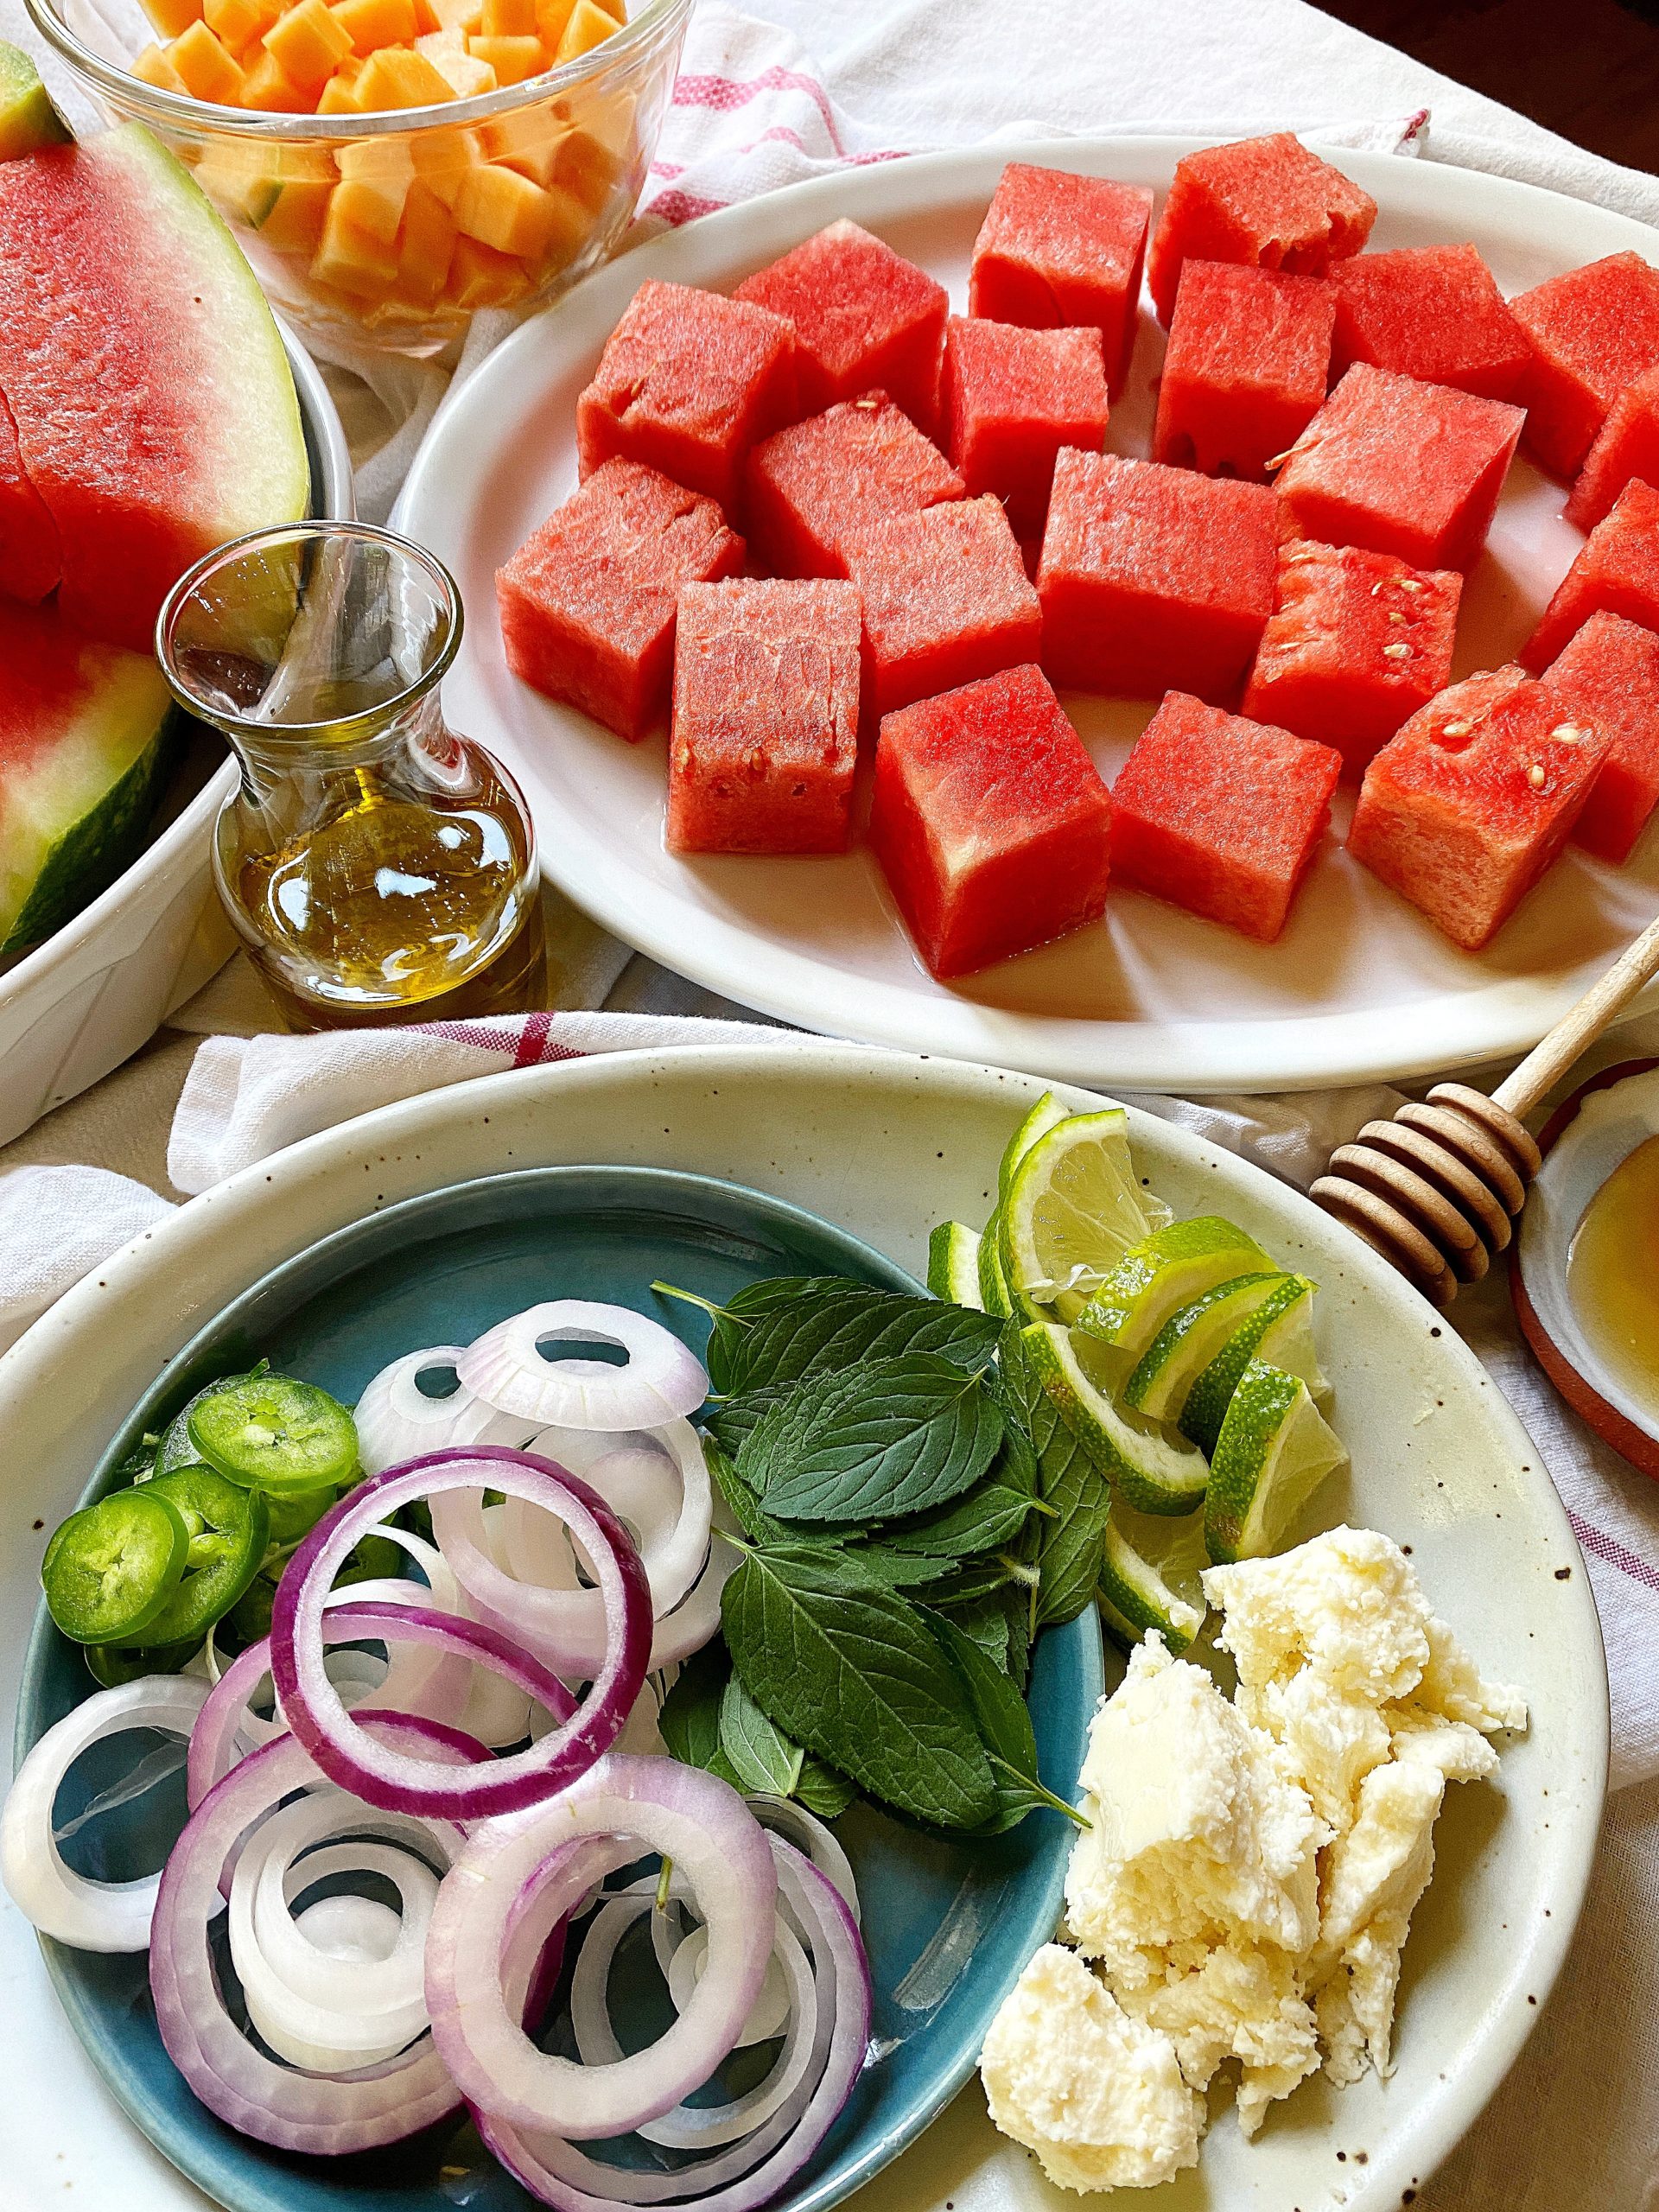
446 233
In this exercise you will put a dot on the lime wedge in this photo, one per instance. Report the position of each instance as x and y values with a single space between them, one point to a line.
1173 1266
953 1265
1280 1332
1274 1450
994 1297
1192 1336
1073 1208
1149 1469
1149 1577
1045 1115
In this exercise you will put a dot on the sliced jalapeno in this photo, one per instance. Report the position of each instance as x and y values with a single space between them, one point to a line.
229 1530
112 1664
269 1432
110 1569
174 1447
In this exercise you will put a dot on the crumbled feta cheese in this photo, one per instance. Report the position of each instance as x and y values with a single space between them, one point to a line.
1097 2096
1239 2000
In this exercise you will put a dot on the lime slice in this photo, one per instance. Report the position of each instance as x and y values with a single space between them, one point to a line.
994 1296
953 1265
1073 1209
1047 1113
1149 1469
1163 1273
1280 1330
1274 1450
1193 1335
1149 1577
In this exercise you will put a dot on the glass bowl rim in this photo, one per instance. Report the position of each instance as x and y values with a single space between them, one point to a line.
183 113
337 726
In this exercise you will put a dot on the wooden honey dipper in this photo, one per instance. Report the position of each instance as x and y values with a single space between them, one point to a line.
1436 1189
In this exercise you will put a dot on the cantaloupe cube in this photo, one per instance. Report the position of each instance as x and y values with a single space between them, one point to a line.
509 19
445 159
616 9
237 24
447 51
513 60
481 277
426 245
463 15
350 260
270 89
528 140
373 205
589 167
500 208
339 95
171 18
589 27
426 18
374 23
152 67
208 72
297 214
551 16
236 176
309 44
396 77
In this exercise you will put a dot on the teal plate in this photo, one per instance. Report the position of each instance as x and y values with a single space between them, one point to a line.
948 1926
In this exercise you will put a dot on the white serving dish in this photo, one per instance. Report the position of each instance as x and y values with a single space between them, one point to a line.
1359 989
885 1145
85 1001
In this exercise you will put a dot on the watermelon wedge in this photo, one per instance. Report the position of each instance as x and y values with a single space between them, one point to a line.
154 410
1617 568
28 118
84 731
1626 446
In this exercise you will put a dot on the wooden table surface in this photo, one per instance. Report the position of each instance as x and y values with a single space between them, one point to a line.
1588 69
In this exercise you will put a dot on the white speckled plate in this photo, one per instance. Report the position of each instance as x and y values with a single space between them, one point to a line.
885 1145
1359 988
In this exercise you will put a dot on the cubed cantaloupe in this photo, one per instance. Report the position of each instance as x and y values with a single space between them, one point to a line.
513 60
509 19
445 159
426 245
481 277
528 139
589 27
375 176
208 70
171 18
270 88
237 24
236 176
349 259
294 222
397 77
447 51
499 208
339 95
374 23
152 67
308 43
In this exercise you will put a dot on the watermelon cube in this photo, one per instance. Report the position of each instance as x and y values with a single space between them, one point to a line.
1607 679
990 822
688 382
1409 469
823 486
1357 642
946 599
1627 445
1433 312
588 602
1011 398
1264 200
864 317
1617 568
1593 331
764 738
1057 249
1246 368
1463 811
1220 815
1153 577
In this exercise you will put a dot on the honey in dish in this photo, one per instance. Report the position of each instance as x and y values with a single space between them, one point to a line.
1613 1273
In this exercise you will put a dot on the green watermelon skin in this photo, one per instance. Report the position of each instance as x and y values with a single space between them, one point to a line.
87 738
154 412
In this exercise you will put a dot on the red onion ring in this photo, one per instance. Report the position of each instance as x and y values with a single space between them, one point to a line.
327 2114
660 1382
716 1845
375 1771
749 2174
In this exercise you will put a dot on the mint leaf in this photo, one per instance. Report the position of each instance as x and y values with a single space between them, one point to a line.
785 1330
730 1421
758 1526
690 1720
852 1671
1072 1543
759 1752
989 1514
1004 1724
885 1437
821 1789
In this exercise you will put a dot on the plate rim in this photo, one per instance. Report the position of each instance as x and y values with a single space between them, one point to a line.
834 1063
196 2146
1286 1052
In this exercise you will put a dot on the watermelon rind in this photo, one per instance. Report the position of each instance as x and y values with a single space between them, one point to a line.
74 819
28 119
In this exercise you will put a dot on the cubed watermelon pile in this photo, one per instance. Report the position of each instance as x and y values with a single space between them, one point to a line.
825 512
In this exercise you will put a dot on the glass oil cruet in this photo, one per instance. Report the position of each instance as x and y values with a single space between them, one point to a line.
377 867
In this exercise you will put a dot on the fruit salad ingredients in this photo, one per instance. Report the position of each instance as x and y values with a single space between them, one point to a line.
1268 202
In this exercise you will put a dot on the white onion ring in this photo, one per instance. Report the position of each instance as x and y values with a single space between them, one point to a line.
396 1419
691 1817
256 2095
92 1916
750 2173
371 1769
789 1818
661 1381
